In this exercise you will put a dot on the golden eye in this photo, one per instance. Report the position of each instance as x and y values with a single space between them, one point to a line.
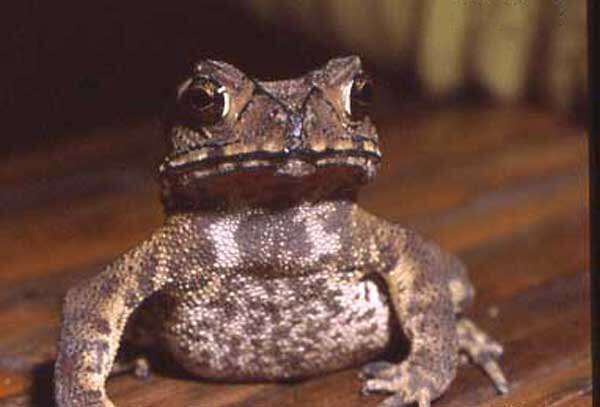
205 102
359 96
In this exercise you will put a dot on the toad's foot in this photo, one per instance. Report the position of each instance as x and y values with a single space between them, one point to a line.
482 350
139 366
408 382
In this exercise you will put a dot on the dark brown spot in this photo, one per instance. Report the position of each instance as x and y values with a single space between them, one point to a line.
110 285
100 325
131 299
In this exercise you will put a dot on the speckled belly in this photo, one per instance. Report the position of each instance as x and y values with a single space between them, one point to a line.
279 328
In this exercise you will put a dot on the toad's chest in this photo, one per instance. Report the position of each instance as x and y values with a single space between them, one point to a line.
279 328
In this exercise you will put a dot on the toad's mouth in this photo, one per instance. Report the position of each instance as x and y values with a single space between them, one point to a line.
205 162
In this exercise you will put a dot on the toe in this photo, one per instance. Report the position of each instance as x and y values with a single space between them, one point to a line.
495 374
379 386
463 359
141 369
374 369
424 398
401 399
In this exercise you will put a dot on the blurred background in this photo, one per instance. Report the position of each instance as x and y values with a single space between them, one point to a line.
69 66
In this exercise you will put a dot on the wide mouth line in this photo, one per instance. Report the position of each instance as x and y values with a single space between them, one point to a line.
175 163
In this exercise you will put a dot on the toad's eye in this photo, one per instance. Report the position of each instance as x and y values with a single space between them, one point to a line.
205 102
359 96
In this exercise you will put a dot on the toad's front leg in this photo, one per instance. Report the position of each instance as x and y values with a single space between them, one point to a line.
417 283
95 313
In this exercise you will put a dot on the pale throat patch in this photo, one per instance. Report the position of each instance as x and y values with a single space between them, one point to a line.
322 242
222 235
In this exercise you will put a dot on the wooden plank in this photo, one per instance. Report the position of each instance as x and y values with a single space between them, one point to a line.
449 136
502 213
76 235
12 383
501 268
580 400
557 388
437 188
543 329
136 143
498 186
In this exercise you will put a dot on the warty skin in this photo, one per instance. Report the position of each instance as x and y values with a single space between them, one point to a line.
265 267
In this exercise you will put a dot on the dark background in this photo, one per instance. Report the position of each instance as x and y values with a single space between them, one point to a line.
68 66
83 64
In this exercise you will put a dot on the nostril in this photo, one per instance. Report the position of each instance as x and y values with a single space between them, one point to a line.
295 126
294 134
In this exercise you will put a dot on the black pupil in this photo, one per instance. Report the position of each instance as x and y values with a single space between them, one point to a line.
361 96
205 103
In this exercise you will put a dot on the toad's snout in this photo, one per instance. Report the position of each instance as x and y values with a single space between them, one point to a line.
294 137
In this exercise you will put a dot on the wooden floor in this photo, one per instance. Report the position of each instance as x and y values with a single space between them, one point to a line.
505 189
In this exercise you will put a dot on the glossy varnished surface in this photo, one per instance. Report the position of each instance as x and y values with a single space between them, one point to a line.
506 190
